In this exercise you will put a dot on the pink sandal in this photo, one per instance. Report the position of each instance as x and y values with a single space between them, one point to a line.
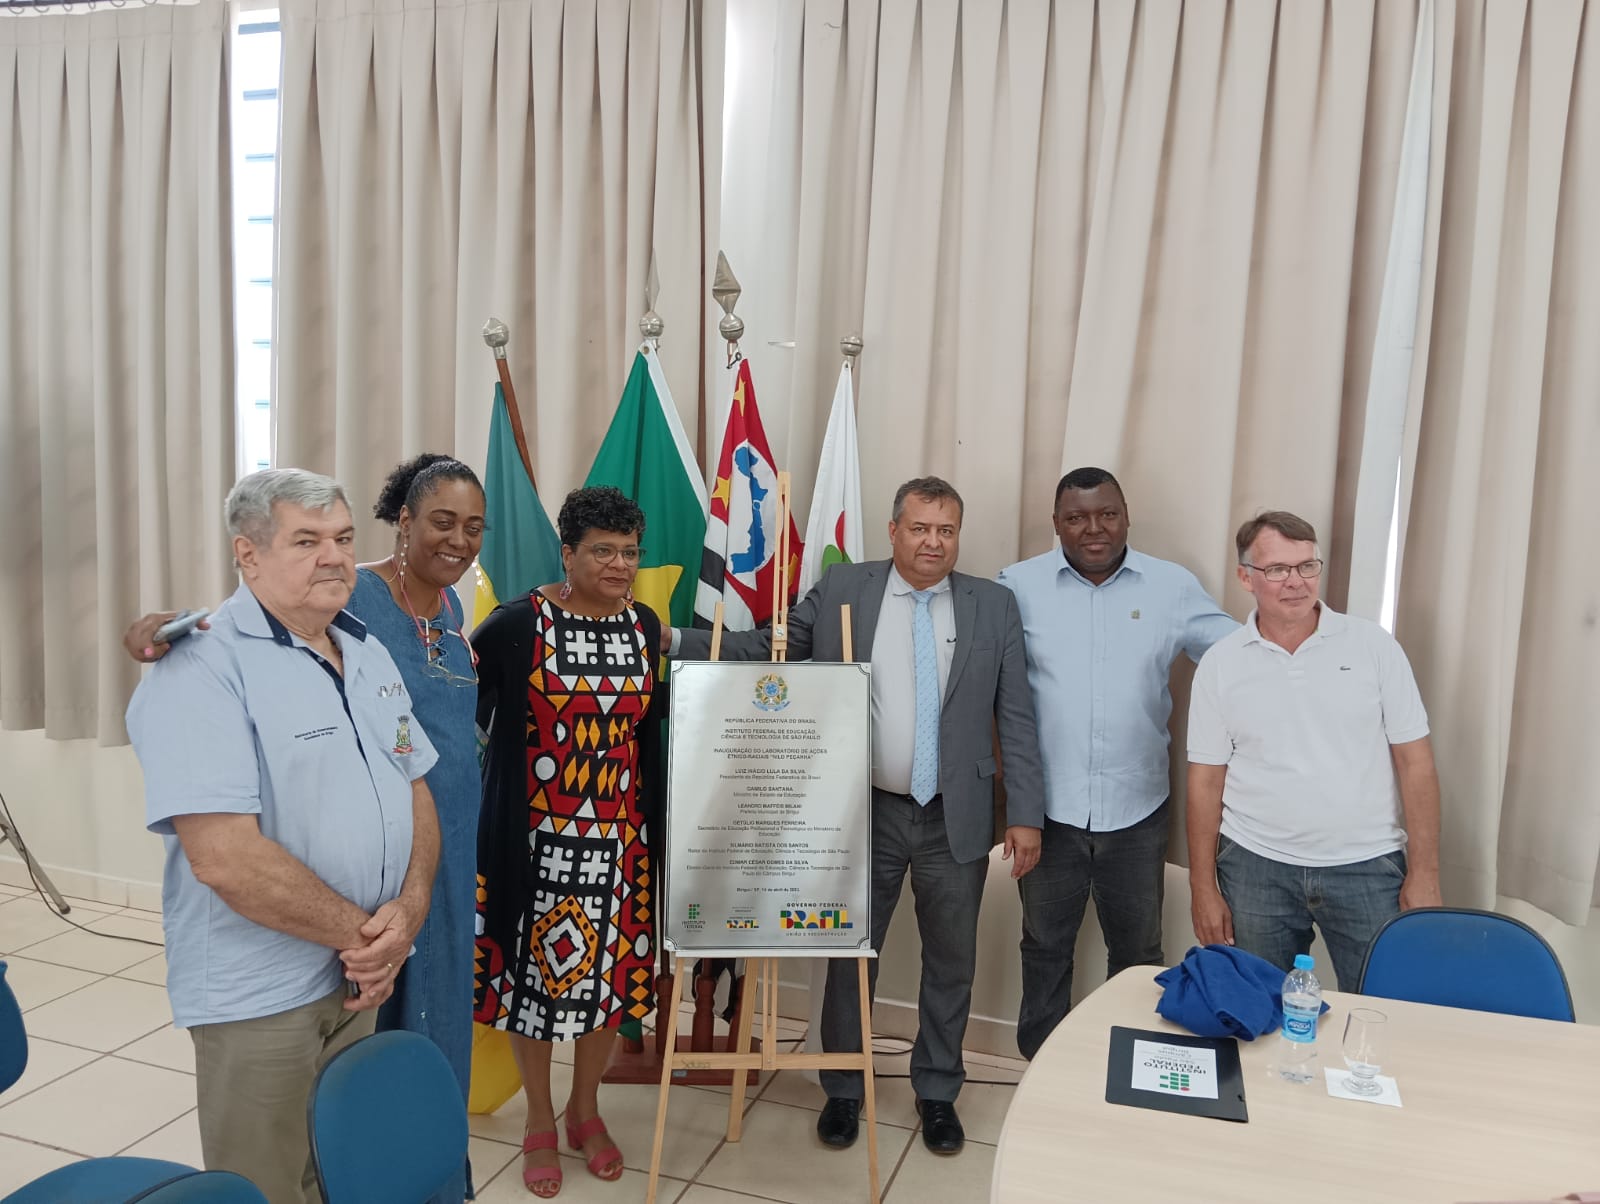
576 1136
534 1176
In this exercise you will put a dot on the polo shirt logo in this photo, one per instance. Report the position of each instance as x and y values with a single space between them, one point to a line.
1133 614
402 736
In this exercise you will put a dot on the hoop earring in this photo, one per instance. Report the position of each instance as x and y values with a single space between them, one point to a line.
566 589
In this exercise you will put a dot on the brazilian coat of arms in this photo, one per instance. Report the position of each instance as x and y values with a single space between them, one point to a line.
772 692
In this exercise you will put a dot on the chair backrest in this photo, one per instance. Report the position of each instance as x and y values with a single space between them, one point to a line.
203 1187
387 1122
13 1037
1462 958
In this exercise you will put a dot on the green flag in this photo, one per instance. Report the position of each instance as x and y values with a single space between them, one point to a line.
647 455
521 550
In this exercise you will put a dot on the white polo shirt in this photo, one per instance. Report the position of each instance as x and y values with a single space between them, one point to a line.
1306 737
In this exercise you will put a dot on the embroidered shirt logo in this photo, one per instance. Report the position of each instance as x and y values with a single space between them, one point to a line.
1133 614
402 736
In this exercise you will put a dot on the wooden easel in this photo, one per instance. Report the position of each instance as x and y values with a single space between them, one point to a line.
768 1057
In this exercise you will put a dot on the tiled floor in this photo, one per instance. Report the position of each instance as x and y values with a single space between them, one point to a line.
108 1074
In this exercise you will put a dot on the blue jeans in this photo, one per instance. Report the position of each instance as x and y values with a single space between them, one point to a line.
1274 905
1125 870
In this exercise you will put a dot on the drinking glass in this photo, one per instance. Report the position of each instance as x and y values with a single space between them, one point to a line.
1363 1049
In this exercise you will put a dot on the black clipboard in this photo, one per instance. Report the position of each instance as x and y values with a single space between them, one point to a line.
1229 1104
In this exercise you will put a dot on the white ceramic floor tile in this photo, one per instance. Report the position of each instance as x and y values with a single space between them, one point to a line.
507 1123
169 1047
580 1187
780 1147
697 1122
895 1101
22 1162
35 982
700 1193
25 921
100 947
176 1142
47 1061
982 1109
924 1177
152 970
105 1015
80 904
488 1158
105 1107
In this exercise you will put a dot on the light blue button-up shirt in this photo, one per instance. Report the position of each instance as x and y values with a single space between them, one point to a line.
1099 657
248 720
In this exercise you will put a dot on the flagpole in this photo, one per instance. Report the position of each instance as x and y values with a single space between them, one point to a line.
496 335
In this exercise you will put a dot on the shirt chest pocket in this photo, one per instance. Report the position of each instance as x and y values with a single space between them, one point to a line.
386 719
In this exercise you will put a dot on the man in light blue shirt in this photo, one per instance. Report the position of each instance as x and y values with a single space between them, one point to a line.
1103 625
284 771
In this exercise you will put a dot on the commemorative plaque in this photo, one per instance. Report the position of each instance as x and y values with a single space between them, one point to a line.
768 809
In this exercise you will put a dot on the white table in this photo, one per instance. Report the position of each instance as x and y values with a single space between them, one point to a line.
1496 1108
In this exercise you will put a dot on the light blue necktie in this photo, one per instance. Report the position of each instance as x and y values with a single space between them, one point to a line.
925 755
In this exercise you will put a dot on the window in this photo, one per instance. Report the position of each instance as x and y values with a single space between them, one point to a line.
257 58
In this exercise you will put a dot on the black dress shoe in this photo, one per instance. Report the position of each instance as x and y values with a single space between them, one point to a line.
941 1127
839 1122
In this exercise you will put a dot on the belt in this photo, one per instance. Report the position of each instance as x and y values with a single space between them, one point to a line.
895 794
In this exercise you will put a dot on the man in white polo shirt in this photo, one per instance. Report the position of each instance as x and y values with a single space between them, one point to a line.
1312 791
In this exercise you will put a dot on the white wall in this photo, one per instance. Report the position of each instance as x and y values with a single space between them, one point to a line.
81 809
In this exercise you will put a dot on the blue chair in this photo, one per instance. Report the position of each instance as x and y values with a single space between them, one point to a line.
100 1181
97 1181
13 1037
207 1187
387 1123
1462 958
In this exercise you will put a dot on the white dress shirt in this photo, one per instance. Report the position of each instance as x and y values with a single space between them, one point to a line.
894 676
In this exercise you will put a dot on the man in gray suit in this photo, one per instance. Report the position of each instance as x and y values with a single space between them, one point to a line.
948 671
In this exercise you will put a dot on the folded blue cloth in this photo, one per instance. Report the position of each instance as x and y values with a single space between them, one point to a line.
1220 991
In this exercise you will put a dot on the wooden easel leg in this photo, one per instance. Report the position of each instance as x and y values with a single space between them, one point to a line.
867 1078
669 1049
747 1005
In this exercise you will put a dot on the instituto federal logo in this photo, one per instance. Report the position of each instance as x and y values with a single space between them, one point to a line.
772 692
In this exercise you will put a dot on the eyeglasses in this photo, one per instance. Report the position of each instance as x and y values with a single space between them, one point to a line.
1280 572
433 638
605 553
433 647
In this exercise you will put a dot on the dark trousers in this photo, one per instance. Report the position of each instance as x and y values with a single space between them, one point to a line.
1126 872
947 894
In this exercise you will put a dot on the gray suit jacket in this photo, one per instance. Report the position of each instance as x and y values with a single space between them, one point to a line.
987 690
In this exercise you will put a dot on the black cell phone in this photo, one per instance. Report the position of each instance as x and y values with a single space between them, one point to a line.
182 625
352 988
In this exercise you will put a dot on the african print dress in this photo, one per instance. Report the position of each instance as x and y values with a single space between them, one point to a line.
565 941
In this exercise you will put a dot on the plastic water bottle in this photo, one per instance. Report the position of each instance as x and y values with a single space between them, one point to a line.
1302 1006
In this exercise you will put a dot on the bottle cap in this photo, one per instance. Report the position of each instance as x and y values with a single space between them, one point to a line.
1304 961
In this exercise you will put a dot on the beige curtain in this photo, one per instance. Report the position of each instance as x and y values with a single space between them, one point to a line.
1149 236
116 347
447 161
1499 596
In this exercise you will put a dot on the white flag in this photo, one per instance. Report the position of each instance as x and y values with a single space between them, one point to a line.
833 533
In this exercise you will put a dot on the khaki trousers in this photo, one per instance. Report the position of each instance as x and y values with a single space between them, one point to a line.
253 1080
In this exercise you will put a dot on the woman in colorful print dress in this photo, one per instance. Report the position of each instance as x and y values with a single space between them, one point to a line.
566 888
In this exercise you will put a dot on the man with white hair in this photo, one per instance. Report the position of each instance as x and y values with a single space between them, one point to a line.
284 770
